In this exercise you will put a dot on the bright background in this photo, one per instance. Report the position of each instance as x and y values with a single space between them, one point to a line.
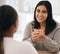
25 9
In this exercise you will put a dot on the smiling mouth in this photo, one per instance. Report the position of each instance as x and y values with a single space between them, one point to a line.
40 18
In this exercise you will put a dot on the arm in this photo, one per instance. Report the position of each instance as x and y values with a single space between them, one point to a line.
27 33
53 45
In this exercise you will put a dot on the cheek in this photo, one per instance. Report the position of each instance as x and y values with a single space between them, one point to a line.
36 15
45 16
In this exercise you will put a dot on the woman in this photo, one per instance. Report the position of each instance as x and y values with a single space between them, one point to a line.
43 32
8 26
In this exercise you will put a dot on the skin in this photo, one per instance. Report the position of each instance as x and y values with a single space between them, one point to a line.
41 16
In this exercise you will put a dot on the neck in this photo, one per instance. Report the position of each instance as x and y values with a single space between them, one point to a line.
43 25
6 34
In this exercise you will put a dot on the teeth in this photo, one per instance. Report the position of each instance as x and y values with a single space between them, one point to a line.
40 17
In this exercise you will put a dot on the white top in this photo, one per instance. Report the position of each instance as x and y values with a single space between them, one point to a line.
14 47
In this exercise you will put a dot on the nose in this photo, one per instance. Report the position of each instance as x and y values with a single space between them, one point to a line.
40 13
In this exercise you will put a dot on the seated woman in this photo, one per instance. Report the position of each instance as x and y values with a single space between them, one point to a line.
8 26
44 31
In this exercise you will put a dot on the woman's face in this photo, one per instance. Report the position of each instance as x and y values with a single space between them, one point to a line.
41 13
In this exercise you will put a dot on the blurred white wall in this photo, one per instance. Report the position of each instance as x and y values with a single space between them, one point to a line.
55 6
29 5
2 2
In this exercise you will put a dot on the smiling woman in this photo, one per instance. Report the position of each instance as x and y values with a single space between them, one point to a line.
44 31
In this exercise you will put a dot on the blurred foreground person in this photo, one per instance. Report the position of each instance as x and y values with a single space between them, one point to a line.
8 26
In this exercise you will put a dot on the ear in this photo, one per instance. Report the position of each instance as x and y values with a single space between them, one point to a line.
15 26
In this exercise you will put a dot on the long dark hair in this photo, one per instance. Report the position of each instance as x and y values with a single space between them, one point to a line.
8 17
50 23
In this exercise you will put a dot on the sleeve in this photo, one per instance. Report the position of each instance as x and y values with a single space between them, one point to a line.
27 33
53 45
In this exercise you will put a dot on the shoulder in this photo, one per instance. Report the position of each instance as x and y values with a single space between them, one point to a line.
10 41
28 48
30 24
58 25
13 47
57 29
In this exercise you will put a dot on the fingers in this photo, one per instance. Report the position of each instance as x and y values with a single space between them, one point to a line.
34 36
38 34
38 30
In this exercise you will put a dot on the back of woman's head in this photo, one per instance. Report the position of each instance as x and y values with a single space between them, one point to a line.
50 23
8 17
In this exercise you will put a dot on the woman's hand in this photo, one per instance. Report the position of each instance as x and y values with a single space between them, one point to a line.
38 34
35 35
42 35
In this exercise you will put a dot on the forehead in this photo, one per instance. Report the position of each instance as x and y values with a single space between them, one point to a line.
42 7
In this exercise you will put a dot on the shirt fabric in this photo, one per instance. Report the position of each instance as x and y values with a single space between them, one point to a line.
15 47
52 42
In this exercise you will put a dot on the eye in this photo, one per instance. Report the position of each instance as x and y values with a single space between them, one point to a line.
38 10
44 11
